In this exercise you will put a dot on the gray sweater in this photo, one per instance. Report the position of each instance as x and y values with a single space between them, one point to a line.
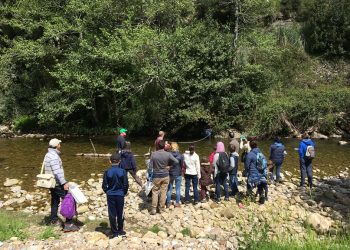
159 161
53 165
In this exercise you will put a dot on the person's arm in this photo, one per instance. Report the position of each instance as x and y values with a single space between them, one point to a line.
133 163
232 162
57 171
216 157
104 182
301 150
247 163
241 144
172 160
125 182
198 167
270 158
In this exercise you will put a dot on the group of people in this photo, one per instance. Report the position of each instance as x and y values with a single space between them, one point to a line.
167 166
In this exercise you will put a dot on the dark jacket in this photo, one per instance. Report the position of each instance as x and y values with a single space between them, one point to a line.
277 153
303 146
115 181
120 142
159 162
254 175
206 179
175 170
127 160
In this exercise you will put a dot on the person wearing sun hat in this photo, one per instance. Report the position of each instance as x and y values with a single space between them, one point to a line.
53 165
121 139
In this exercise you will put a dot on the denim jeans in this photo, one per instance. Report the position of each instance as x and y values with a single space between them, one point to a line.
177 180
221 179
305 169
194 179
278 171
57 194
233 182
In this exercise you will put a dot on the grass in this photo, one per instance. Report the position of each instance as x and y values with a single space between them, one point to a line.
186 232
155 229
12 226
49 232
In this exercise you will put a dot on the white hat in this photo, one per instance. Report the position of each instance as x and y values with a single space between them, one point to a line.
54 142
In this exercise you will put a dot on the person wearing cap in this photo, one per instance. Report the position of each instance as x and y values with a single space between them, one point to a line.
121 139
53 165
115 185
160 137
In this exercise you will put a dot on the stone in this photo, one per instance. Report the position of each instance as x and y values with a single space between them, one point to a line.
115 241
82 209
320 223
93 237
10 182
149 234
92 217
228 213
162 235
179 236
342 143
16 189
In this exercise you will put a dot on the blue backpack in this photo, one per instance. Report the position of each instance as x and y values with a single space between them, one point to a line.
261 163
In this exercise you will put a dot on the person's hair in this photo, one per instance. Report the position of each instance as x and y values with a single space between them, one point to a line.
161 144
161 133
115 158
306 135
127 146
174 146
278 139
204 159
231 134
231 148
191 148
253 144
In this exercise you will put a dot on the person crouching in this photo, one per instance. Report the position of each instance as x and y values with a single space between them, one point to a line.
115 185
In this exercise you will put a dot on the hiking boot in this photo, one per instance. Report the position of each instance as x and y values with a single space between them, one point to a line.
204 200
121 233
217 200
70 228
153 211
187 202
168 205
195 203
162 210
178 205
226 199
55 223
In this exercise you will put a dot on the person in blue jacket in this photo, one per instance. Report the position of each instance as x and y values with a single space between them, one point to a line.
277 152
305 162
115 185
128 162
255 178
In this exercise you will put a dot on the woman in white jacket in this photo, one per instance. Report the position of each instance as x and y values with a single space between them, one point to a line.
192 173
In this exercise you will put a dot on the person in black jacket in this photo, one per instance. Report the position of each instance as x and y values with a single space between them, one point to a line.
115 185
277 152
121 139
128 162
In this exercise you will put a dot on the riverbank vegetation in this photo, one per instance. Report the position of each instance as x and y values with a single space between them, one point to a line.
259 66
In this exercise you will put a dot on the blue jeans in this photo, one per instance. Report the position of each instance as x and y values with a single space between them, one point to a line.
233 182
178 181
305 169
221 179
278 171
194 179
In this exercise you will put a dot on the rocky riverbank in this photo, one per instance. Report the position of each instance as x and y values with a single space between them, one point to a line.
288 213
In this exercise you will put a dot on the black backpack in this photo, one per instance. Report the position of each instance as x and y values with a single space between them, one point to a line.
223 163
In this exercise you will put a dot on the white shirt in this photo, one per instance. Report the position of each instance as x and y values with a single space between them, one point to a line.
192 164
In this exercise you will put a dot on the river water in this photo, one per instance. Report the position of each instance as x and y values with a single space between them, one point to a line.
21 158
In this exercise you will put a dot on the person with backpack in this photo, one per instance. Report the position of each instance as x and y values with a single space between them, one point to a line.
256 168
128 162
205 180
175 175
306 152
221 169
277 153
233 169
192 173
115 185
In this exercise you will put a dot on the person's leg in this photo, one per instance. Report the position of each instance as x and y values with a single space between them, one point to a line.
170 190
302 172
234 185
261 193
120 213
136 178
55 201
187 187
178 181
309 172
203 192
225 184
155 192
112 213
195 188
163 191
217 187
278 172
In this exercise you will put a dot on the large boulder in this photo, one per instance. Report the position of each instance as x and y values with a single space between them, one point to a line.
320 223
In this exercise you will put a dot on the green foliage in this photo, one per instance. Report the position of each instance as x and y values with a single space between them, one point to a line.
48 232
11 227
25 123
155 229
186 232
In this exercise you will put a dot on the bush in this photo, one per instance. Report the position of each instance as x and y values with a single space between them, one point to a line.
11 226
25 124
155 229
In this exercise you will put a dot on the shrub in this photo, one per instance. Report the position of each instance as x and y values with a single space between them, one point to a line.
11 226
25 123
155 229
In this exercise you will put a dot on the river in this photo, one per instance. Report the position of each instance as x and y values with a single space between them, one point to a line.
21 158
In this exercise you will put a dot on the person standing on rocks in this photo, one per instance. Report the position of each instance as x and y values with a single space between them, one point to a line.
233 169
306 154
160 162
121 139
53 165
115 185
221 169
234 143
160 137
256 176
205 180
175 175
128 162
192 173
277 152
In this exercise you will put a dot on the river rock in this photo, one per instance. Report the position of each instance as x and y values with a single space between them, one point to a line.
10 182
93 237
179 236
115 241
342 143
162 234
82 209
316 135
320 223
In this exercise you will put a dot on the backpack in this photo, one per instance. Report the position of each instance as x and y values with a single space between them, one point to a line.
261 163
68 206
223 163
310 152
